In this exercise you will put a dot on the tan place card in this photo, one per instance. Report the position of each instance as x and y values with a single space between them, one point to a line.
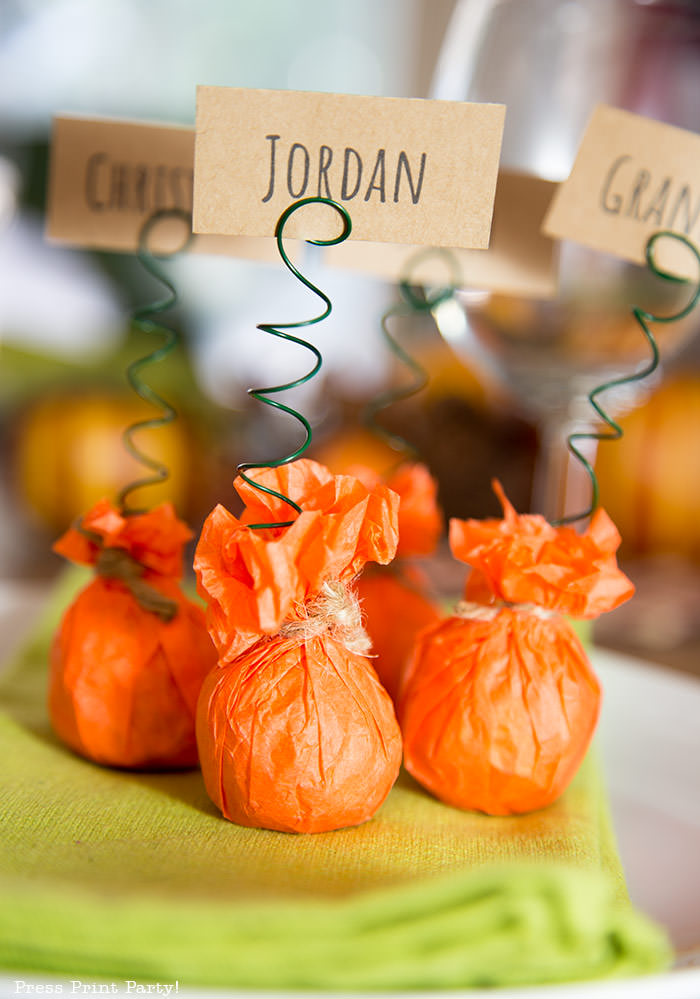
408 171
108 176
520 260
632 177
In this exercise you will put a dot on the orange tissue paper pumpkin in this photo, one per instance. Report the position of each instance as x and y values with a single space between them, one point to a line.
499 701
395 599
131 652
295 731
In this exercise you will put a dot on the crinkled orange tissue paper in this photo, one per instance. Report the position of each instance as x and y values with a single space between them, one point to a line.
396 600
295 731
131 652
499 702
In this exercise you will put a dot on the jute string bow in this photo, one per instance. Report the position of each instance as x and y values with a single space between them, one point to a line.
335 611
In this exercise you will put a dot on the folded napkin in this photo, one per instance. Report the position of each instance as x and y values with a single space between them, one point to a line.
112 874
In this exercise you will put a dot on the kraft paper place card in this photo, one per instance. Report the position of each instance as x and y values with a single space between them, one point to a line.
633 176
408 171
521 260
108 176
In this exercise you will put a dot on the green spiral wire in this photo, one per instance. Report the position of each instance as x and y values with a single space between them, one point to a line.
278 330
415 300
142 319
643 318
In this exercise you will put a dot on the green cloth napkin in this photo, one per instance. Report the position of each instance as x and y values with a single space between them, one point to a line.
111 874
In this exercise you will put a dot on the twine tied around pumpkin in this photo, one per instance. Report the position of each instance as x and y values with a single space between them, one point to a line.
335 611
115 563
473 611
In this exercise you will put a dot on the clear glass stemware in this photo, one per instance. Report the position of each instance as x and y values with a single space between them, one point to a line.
551 62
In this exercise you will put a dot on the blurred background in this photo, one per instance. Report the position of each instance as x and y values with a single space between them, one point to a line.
65 337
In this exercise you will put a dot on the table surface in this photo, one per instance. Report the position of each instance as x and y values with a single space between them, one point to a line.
650 741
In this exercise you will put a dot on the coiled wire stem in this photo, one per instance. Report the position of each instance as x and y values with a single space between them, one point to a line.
142 319
643 317
415 300
280 330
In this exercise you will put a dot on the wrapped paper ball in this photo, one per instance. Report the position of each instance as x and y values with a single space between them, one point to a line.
297 737
295 732
132 651
499 702
497 714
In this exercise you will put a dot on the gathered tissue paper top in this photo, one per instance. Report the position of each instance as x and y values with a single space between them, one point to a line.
524 559
131 652
499 702
295 732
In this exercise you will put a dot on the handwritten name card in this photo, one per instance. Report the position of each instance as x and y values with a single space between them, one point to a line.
632 177
408 171
520 259
108 176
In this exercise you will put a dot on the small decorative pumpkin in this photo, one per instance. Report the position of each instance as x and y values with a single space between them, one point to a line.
499 702
132 651
295 732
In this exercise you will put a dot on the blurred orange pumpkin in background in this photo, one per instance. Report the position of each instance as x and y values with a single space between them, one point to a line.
351 446
69 453
650 478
